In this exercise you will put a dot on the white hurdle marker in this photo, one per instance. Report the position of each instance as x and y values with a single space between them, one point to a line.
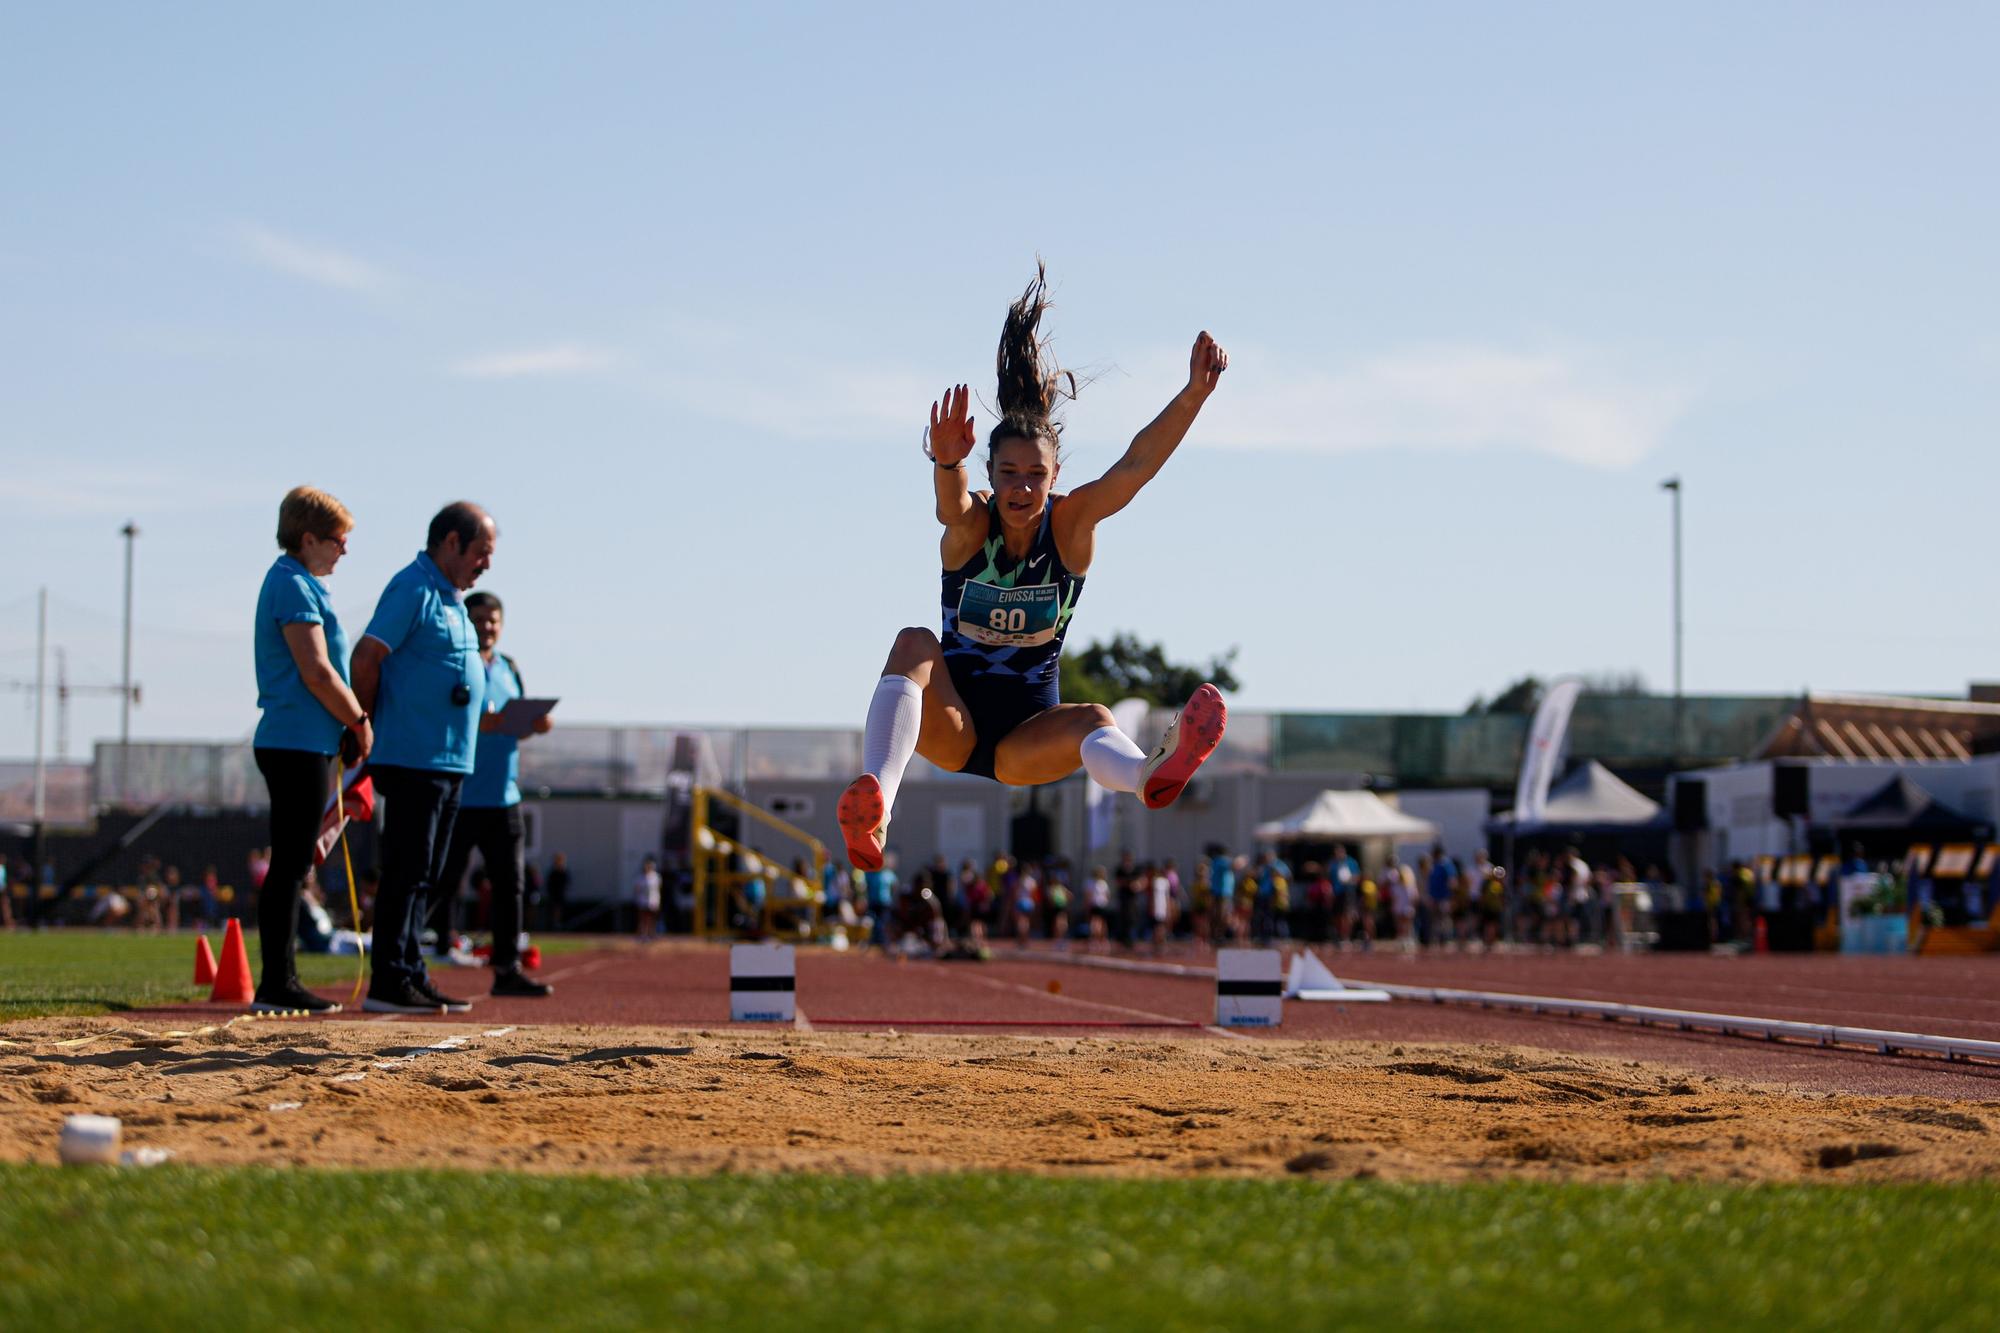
1249 988
763 983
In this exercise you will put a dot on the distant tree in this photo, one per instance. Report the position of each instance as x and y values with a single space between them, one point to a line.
1627 684
1525 695
1125 668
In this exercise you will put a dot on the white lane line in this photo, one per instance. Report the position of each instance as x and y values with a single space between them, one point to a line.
580 968
1146 1014
1157 969
1106 962
576 971
800 1021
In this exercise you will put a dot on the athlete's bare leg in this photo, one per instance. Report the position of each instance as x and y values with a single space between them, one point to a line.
1046 748
947 737
944 736
1057 741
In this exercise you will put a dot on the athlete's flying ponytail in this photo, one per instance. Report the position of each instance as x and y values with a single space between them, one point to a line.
1031 384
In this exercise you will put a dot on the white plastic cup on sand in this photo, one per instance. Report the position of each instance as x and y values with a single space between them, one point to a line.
91 1140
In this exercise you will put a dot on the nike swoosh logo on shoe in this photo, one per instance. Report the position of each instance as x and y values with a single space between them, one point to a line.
1191 738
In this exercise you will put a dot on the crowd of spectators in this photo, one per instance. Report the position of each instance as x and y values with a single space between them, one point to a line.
1735 896
162 897
1557 901
159 897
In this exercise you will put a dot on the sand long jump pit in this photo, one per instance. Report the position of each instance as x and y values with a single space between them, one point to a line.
635 1100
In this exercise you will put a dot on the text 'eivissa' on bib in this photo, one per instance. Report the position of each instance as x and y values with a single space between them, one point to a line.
1009 617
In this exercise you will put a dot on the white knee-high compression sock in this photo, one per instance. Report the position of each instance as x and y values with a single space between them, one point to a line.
1112 759
895 716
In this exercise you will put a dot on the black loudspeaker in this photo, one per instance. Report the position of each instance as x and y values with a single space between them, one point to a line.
1788 932
1791 791
1681 932
1032 835
1690 805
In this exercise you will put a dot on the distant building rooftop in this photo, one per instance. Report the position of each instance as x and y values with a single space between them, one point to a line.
1874 726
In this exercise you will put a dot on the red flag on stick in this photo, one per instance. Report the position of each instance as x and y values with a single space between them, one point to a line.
358 802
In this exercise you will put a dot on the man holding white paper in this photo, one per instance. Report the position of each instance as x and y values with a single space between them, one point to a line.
489 816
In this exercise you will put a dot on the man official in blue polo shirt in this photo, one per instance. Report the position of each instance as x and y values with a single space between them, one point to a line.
489 807
418 674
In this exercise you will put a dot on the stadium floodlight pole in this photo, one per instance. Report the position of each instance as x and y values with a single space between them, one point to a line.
129 531
41 695
1674 484
41 847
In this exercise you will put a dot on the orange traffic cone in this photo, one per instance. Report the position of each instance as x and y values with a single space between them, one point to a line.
204 962
232 975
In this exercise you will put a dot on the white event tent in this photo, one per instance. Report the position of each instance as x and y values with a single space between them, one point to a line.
1348 816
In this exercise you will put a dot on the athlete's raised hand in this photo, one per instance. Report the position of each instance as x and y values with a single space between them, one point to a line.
1206 364
951 436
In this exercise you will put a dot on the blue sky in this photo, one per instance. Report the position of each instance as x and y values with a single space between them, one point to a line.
670 289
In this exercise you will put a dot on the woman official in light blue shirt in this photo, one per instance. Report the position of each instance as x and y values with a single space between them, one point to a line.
307 706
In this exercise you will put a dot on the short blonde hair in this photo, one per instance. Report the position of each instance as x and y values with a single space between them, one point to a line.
307 509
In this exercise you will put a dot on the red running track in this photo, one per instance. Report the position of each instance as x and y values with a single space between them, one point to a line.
687 987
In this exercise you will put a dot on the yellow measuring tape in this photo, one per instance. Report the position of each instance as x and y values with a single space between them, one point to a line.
353 901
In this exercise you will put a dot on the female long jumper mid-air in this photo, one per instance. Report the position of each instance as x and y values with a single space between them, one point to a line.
982 697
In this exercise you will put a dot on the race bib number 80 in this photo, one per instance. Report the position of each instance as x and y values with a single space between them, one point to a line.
1009 617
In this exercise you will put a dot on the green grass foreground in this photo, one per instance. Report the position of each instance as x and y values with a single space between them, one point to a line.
254 1248
88 972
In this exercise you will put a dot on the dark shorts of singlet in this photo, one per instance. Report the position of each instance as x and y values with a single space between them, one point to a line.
995 705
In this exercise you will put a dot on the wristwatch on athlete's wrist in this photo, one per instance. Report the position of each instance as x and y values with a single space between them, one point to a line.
358 723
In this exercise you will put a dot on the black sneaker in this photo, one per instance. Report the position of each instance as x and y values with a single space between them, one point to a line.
513 981
403 999
443 1001
292 998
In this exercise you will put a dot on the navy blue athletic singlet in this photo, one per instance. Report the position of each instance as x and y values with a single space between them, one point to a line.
1004 621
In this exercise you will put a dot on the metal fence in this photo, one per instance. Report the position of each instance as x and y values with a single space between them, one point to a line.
66 793
580 759
1416 750
614 761
198 773
1428 750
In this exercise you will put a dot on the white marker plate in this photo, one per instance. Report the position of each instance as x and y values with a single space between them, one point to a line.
1249 988
763 983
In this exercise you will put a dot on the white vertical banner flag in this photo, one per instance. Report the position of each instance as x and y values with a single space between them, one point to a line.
1544 750
1130 715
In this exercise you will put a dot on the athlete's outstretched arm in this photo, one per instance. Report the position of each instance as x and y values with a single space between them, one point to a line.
950 443
1093 502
